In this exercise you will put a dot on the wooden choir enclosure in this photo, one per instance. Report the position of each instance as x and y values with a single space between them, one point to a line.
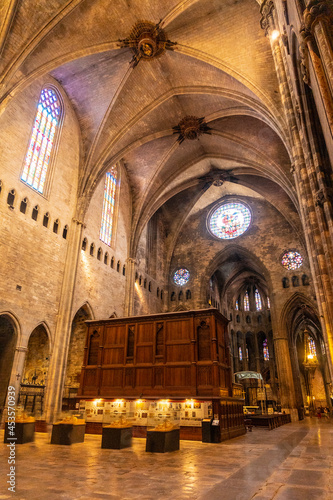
171 355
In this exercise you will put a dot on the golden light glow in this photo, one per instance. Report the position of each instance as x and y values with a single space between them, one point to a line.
275 34
96 401
310 356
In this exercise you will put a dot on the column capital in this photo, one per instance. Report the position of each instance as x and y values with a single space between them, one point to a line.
315 11
323 195
266 11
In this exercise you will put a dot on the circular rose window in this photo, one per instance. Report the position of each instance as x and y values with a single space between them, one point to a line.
181 276
229 220
292 260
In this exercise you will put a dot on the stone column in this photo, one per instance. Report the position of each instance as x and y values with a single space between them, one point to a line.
129 287
58 361
317 25
17 370
256 350
306 183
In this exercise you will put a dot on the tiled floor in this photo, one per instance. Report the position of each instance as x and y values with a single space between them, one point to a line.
293 462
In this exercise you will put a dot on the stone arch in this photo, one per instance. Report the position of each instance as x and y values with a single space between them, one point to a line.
36 368
9 334
75 354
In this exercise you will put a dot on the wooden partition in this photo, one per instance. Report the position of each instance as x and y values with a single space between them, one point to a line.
172 354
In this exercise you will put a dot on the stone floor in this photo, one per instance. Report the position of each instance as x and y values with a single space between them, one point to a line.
293 462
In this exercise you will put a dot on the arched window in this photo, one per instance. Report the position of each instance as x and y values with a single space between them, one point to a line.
268 303
237 305
34 214
124 270
246 301
265 350
118 266
84 244
240 354
312 348
149 286
99 253
42 138
112 262
92 248
108 206
188 294
11 198
56 226
64 232
106 256
23 206
258 300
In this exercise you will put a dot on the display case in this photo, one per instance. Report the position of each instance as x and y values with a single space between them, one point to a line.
117 427
19 428
69 428
163 427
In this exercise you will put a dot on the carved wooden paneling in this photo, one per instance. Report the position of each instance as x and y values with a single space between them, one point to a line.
113 356
222 380
159 377
112 377
90 382
159 349
144 354
205 375
145 332
115 335
178 352
204 341
177 376
130 341
144 377
178 330
129 377
93 347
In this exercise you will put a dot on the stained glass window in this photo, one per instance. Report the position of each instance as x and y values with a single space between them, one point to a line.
268 303
246 302
312 347
181 276
236 305
240 354
247 354
108 206
38 156
292 260
230 220
258 300
265 349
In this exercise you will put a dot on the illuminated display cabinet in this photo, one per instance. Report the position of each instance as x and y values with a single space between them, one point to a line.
151 368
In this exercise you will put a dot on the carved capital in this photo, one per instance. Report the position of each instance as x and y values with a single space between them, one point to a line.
266 11
315 11
323 195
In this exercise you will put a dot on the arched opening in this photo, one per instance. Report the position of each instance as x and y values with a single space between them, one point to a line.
35 371
8 338
75 356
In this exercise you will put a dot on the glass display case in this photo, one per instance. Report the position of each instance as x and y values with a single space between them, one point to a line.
69 428
19 426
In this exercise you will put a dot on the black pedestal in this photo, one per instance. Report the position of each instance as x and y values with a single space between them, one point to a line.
116 438
161 442
24 432
67 433
206 429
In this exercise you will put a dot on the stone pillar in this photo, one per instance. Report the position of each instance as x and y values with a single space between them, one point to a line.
129 286
315 226
256 350
17 370
318 19
58 361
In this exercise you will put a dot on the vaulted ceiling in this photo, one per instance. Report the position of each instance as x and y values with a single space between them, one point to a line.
220 68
